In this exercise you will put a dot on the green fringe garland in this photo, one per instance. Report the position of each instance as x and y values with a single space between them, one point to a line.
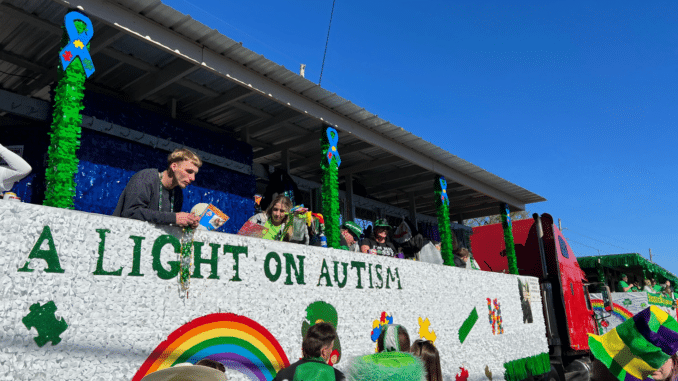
444 229
62 162
626 260
508 239
186 259
330 194
520 369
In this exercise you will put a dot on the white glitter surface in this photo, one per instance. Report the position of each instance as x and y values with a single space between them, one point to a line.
115 322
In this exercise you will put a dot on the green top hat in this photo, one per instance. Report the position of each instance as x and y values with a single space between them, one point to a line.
382 223
386 366
353 228
636 348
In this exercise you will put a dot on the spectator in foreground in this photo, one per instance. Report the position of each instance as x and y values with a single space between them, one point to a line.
187 372
427 352
392 362
18 169
379 243
157 197
275 217
212 364
350 234
634 352
316 351
393 338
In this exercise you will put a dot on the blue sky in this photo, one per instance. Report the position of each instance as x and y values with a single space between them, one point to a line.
575 101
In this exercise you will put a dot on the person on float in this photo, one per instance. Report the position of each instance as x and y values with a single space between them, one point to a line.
641 348
648 286
274 218
464 259
379 243
656 286
316 350
18 169
428 353
350 234
623 284
157 197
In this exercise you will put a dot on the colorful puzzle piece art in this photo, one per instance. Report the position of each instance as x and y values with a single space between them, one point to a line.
494 314
43 320
384 319
425 332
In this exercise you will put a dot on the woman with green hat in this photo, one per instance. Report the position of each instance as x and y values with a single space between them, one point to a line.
641 348
379 243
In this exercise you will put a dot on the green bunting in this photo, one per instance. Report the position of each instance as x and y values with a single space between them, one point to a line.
508 239
62 162
443 214
330 188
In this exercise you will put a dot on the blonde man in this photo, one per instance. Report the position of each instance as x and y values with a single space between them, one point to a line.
157 197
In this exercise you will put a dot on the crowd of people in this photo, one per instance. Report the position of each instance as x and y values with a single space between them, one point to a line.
644 347
396 359
649 285
157 197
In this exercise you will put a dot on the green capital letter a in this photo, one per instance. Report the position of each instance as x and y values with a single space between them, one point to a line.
50 255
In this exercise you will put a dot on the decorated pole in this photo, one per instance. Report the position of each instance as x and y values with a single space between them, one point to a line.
508 239
443 213
330 185
74 67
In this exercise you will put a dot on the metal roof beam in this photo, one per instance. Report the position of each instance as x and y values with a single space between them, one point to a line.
343 150
283 146
155 34
166 76
369 165
21 61
261 127
230 96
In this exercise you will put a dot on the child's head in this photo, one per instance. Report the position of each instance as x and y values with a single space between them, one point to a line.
427 352
393 338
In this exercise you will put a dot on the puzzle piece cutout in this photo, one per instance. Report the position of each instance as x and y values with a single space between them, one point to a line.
43 320
425 332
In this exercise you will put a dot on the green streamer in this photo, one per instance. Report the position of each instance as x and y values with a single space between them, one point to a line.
520 369
508 239
444 229
330 193
62 162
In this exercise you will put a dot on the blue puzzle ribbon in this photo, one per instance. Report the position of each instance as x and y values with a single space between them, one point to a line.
333 138
443 190
77 45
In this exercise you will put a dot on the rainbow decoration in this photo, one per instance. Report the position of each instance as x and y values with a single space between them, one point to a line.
617 310
236 341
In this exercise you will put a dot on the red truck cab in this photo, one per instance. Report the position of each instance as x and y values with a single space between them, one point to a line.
568 311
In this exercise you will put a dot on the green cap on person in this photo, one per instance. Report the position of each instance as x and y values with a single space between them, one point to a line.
382 223
353 228
623 276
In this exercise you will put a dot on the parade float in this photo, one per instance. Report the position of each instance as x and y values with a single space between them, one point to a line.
89 296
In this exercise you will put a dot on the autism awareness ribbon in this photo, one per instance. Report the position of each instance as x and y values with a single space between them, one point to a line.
77 45
333 138
443 190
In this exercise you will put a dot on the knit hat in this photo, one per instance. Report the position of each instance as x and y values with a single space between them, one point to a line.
386 366
353 228
639 346
391 337
382 223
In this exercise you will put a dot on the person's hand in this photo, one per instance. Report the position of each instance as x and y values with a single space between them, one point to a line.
187 219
